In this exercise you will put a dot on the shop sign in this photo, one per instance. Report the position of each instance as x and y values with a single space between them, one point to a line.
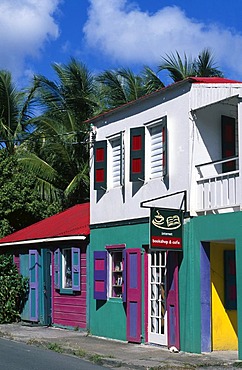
166 228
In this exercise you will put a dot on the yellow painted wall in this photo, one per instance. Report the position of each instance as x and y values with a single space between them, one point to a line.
224 322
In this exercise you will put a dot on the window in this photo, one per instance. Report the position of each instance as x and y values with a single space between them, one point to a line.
157 150
148 151
110 273
67 270
115 274
112 152
117 160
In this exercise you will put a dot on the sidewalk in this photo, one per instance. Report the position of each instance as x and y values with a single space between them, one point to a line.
116 354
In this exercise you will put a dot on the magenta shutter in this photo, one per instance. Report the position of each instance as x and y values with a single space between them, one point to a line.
133 265
33 285
100 275
76 269
57 268
124 274
172 301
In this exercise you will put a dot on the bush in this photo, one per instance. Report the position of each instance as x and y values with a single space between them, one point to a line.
13 290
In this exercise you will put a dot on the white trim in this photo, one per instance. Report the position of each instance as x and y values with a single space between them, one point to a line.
46 240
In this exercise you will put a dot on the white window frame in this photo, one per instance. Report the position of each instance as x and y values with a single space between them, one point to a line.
115 292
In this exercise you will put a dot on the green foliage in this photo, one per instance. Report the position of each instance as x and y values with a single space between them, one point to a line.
55 347
13 290
20 204
179 68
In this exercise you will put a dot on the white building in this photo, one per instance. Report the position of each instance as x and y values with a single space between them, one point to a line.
177 148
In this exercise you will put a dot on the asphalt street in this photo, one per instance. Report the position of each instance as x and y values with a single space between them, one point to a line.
20 356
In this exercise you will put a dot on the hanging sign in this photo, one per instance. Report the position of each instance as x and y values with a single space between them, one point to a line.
166 228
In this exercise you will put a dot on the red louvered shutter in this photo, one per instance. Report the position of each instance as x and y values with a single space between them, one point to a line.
100 165
137 154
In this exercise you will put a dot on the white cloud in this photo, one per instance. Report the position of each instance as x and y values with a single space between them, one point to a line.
126 34
25 26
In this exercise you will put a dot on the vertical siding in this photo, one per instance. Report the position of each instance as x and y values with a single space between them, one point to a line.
70 310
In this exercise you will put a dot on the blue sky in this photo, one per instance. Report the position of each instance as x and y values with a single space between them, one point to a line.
105 34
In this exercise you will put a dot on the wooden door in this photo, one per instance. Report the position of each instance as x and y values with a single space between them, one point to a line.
33 286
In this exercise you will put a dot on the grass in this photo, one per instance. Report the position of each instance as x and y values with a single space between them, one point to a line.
237 364
55 347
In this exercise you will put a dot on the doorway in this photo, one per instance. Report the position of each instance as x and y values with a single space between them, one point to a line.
218 297
157 317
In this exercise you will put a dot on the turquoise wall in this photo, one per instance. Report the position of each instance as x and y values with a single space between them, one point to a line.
108 318
205 228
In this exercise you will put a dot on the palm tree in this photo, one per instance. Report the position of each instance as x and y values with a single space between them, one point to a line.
57 150
58 153
75 91
205 65
151 80
179 69
120 86
15 112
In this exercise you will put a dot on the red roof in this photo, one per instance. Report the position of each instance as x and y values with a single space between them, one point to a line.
214 80
72 222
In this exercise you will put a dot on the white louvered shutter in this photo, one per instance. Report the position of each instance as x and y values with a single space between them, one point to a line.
156 151
116 161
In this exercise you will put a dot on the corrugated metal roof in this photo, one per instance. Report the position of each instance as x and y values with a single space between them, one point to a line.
196 80
72 222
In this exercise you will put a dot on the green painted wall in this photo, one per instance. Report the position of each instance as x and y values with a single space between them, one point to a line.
205 228
108 318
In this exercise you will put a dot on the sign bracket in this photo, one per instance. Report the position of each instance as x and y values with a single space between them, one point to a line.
183 202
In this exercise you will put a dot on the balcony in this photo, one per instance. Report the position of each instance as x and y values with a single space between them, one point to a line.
218 186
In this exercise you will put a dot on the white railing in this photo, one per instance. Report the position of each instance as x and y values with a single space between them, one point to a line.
220 189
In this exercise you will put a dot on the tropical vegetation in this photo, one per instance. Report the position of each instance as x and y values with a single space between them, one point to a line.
45 142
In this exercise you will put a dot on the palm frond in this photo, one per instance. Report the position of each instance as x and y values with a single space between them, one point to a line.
178 69
151 80
205 65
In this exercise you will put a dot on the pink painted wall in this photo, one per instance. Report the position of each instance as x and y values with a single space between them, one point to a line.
16 260
69 310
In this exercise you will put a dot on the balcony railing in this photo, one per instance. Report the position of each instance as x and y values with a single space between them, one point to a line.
217 189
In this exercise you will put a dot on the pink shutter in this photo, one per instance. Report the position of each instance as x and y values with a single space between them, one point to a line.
172 301
100 275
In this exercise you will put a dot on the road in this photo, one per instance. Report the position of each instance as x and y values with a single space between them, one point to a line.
20 356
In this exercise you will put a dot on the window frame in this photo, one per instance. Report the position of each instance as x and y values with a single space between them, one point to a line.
59 264
116 289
